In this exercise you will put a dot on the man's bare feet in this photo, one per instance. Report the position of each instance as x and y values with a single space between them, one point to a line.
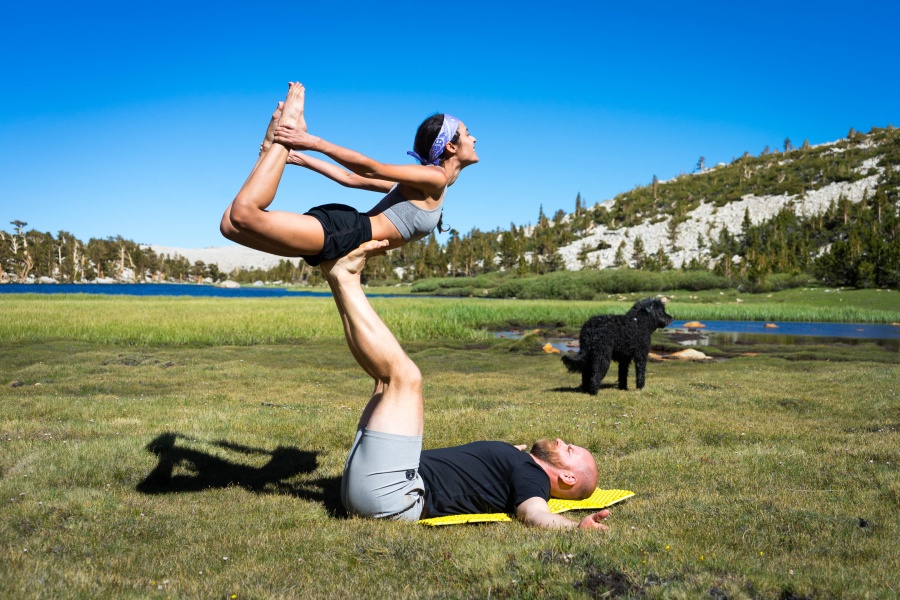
353 263
293 106
270 130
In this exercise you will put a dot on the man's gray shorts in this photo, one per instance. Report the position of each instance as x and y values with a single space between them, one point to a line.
381 478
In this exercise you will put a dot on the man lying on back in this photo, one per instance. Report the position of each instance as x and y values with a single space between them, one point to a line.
388 475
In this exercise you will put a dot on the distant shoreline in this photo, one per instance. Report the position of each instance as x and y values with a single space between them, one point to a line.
160 289
227 283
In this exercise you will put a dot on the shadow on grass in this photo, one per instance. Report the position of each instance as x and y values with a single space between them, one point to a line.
578 390
202 471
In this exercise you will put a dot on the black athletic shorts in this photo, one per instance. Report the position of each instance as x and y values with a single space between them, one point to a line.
345 229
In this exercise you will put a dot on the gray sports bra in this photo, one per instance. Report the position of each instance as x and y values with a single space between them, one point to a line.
412 222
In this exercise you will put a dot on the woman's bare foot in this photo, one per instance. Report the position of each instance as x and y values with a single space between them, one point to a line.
292 113
270 130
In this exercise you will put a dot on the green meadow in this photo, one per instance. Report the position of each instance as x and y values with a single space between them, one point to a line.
192 448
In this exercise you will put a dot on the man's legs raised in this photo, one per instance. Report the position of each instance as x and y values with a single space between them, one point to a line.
396 406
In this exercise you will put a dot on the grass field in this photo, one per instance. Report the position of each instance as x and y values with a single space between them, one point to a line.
192 448
241 321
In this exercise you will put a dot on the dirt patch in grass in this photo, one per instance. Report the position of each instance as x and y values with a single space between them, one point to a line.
607 584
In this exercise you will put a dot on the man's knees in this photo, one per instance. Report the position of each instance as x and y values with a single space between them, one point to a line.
407 375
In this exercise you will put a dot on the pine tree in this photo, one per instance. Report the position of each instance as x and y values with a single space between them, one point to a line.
619 260
638 255
673 232
18 225
661 261
746 223
522 266
553 261
725 266
509 251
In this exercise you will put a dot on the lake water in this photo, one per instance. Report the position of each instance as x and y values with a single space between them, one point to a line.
154 289
755 332
867 331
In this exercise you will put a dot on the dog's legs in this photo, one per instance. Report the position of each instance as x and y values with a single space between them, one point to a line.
640 368
587 370
594 372
623 374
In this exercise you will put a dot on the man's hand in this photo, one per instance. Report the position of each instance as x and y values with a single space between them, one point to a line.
594 521
535 511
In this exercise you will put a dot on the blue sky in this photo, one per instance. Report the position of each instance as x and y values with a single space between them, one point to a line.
143 120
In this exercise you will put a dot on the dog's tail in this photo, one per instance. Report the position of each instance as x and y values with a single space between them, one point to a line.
575 364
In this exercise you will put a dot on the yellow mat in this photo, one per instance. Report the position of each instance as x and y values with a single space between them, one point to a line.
599 499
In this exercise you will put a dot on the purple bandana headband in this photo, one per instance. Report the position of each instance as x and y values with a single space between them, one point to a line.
448 130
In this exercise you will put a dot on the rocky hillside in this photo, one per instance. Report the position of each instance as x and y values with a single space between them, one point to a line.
682 216
707 220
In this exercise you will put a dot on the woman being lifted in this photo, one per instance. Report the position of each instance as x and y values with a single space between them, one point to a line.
410 210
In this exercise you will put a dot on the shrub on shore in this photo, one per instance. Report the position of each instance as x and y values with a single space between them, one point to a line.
586 285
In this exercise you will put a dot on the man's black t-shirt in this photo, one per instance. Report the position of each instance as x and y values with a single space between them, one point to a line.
481 477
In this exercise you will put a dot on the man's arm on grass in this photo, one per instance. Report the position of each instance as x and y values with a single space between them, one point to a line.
536 512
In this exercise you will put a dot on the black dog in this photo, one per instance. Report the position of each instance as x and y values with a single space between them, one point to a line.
620 338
